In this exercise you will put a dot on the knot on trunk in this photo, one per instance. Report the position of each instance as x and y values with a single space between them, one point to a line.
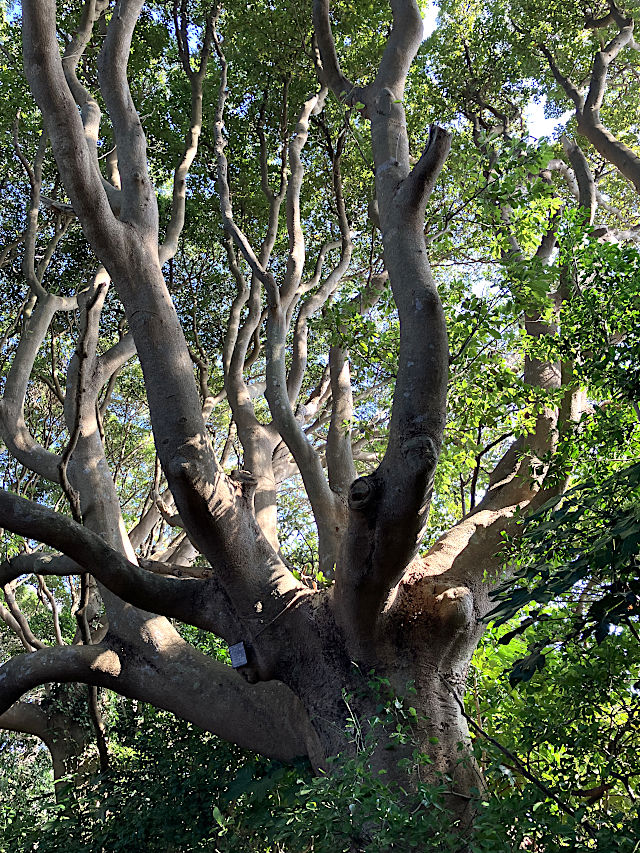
361 493
423 449
453 604
428 604
384 101
245 483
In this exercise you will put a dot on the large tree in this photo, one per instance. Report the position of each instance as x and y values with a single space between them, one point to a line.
304 263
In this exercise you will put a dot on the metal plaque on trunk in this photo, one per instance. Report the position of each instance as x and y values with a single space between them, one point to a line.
238 655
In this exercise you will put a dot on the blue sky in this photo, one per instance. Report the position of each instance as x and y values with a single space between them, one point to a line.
537 123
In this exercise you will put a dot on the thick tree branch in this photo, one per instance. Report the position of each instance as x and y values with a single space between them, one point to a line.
588 109
396 498
90 664
402 45
586 185
266 718
76 164
13 426
569 176
80 406
422 179
180 599
389 508
330 71
218 510
340 465
601 63
28 718
36 563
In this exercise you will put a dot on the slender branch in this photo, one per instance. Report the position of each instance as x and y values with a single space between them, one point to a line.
569 176
264 156
20 618
99 728
240 300
224 192
35 180
296 257
90 111
515 760
11 622
340 466
196 80
35 276
330 285
54 608
569 87
85 351
111 361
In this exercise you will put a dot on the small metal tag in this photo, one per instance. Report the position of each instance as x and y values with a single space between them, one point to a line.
238 655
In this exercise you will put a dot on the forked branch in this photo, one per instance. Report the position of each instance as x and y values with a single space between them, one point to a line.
180 599
196 81
588 108
76 163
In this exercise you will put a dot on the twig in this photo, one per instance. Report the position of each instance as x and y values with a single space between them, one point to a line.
516 761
